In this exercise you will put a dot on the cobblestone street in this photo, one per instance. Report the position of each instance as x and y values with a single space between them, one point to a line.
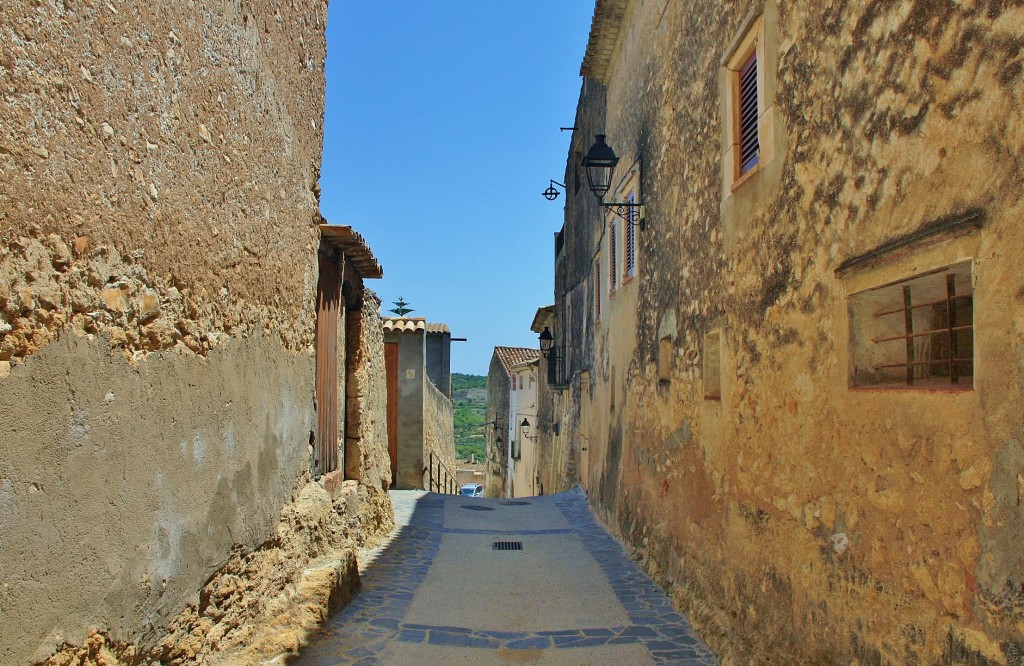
441 591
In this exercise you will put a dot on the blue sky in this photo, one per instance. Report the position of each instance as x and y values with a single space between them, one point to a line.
441 132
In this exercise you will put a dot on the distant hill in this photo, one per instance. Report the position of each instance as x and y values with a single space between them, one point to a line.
469 393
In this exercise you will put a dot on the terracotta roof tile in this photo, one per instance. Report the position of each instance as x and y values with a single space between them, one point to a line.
604 34
355 248
405 324
513 356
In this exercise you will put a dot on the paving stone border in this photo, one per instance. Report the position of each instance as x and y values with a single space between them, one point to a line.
359 633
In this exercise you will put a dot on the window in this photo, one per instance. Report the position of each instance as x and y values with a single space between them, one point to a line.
597 290
747 87
629 261
613 257
749 146
915 333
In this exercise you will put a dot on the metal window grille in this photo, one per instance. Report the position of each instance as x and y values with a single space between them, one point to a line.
917 332
556 368
597 290
749 144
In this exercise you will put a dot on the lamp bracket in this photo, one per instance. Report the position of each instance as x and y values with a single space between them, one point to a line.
624 209
551 193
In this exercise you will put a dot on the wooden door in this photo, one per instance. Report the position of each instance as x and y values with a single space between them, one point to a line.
391 370
328 301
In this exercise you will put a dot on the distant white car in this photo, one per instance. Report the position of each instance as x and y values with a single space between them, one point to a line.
471 490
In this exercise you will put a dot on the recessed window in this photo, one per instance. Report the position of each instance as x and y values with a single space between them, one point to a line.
748 125
915 333
746 98
613 256
597 291
629 260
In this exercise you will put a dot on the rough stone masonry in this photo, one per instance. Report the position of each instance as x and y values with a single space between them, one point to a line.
158 212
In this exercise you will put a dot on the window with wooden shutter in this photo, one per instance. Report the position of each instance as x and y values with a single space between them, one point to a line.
597 291
613 252
630 259
749 146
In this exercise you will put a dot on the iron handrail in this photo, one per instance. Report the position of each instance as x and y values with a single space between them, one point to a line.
446 483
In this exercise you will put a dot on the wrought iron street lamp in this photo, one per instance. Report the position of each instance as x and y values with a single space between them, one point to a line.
600 162
546 340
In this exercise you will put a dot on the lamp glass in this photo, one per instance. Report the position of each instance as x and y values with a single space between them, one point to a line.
600 164
546 340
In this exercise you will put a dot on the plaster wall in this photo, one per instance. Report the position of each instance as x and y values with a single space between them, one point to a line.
795 519
124 488
524 470
411 395
439 361
158 211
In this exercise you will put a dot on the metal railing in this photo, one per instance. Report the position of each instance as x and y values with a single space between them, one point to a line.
439 478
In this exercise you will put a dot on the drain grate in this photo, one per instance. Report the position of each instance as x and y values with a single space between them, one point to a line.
476 507
515 503
508 545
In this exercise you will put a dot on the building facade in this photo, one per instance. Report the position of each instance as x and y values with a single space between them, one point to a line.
793 363
420 410
510 367
159 340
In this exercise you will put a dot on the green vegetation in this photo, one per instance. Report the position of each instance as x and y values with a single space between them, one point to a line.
470 397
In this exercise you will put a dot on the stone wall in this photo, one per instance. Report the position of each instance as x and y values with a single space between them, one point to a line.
438 433
797 519
497 418
158 203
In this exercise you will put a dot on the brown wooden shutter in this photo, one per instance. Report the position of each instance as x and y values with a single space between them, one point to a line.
614 257
328 303
749 145
630 237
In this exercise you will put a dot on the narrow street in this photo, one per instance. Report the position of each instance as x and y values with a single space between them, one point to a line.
441 592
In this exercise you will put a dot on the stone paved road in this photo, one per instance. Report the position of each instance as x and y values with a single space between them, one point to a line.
439 592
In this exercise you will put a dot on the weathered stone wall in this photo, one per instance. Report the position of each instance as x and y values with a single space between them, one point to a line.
438 433
497 419
367 451
158 202
798 520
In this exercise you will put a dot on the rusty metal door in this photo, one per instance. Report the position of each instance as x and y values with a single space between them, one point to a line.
328 300
391 370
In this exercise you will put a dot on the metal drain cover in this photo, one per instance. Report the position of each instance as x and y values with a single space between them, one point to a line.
476 507
508 545
515 503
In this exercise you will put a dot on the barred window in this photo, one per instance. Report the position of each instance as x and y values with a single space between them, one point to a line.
597 291
915 333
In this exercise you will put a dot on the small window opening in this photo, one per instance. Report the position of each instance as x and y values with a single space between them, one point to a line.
915 333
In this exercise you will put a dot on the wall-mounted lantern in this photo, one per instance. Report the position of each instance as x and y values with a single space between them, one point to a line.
546 340
524 428
600 162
